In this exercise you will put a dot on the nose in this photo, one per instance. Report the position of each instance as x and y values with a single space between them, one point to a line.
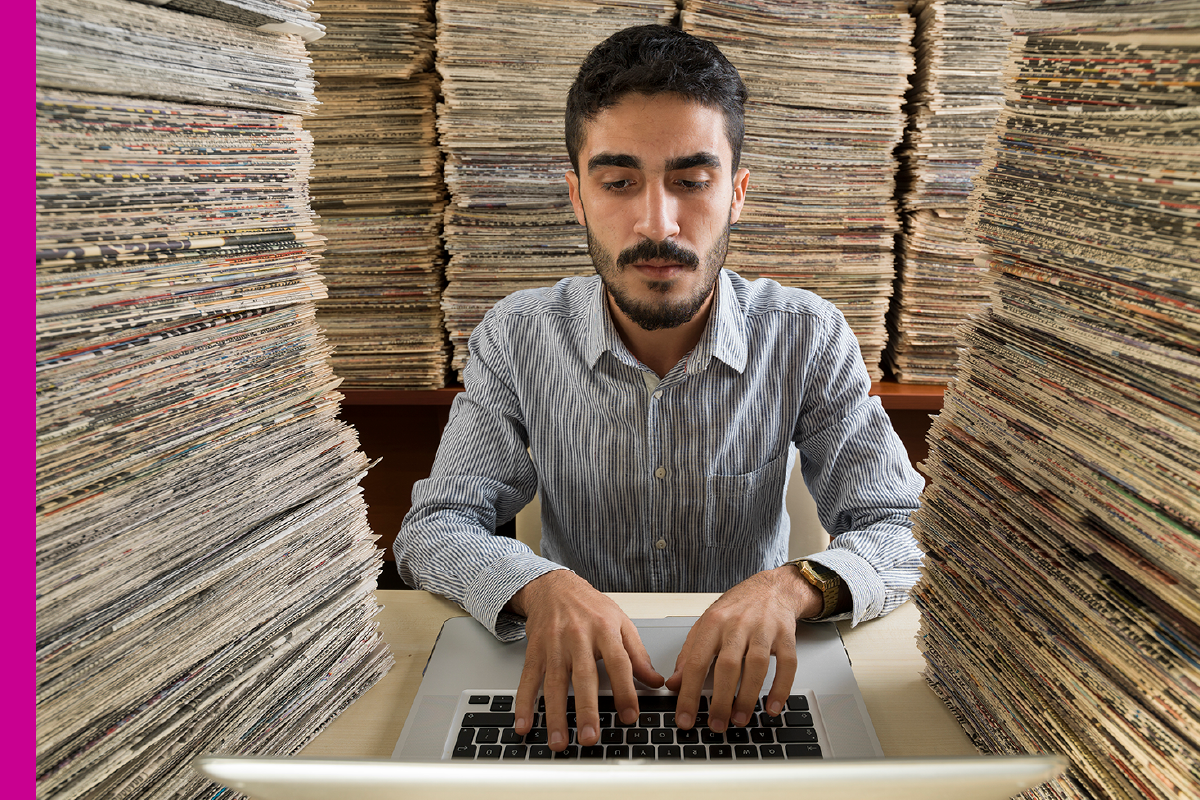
657 214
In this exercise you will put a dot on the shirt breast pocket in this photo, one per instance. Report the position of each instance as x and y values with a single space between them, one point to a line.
743 511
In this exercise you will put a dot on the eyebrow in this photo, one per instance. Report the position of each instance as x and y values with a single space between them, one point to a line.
632 162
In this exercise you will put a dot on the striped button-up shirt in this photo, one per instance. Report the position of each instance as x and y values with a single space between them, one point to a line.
660 486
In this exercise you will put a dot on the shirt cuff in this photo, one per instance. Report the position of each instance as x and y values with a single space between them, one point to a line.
866 588
496 585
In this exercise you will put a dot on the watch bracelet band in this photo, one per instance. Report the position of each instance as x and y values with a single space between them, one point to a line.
816 574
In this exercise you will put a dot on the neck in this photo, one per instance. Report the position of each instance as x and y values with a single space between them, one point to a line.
662 349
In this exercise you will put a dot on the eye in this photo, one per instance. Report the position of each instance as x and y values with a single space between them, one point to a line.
693 186
616 186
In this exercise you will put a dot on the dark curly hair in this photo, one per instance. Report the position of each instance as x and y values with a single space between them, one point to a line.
653 59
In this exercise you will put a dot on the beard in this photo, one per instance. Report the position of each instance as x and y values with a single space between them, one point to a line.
653 315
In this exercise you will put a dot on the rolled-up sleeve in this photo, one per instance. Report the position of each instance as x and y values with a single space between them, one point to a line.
861 480
482 476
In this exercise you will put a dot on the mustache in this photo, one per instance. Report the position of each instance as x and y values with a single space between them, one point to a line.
666 250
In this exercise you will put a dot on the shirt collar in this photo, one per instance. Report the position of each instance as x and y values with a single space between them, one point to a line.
724 336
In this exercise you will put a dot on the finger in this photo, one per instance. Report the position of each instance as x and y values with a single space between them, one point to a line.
587 711
639 658
619 667
727 672
754 671
527 694
692 673
557 679
785 675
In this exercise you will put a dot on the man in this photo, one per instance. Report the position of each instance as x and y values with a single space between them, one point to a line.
656 407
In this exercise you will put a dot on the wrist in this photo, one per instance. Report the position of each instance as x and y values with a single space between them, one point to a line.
825 584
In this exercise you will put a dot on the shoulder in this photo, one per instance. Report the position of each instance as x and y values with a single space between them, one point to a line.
568 298
765 297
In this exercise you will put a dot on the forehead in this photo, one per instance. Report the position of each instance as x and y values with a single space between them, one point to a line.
656 129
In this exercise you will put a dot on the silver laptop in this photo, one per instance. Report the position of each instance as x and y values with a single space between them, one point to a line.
463 711
969 778
453 743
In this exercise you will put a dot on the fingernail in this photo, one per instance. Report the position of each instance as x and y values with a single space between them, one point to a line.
588 733
683 719
556 737
629 716
741 718
520 722
776 707
718 725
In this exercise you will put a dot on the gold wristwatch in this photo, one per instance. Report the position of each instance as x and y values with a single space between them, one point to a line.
826 581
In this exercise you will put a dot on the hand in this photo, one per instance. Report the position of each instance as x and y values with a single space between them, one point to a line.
741 631
568 627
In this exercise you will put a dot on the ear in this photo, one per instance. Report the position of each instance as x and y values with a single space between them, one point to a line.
576 201
741 180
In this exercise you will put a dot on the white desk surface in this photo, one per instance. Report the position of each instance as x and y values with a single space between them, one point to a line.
909 719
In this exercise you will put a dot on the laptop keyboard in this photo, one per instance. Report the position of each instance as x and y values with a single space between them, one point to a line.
486 732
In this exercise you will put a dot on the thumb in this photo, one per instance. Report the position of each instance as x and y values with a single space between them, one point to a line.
639 659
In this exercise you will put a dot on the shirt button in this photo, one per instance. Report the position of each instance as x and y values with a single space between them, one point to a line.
661 472
658 394
661 544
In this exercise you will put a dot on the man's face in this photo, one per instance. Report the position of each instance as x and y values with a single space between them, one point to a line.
657 192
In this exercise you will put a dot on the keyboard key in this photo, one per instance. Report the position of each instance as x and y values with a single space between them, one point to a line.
501 703
761 735
767 721
606 718
703 703
709 736
487 736
803 750
771 751
540 751
616 751
479 700
798 719
509 736
657 702
695 751
639 735
490 751
592 751
690 736
537 736
643 751
649 720
720 751
515 751
796 734
797 702
612 736
669 752
737 736
487 719
669 719
746 751
465 736
662 736
571 720
463 751
607 703
572 751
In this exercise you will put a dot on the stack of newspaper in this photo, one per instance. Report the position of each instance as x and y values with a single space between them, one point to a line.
956 96
506 67
204 564
1061 602
377 185
827 83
